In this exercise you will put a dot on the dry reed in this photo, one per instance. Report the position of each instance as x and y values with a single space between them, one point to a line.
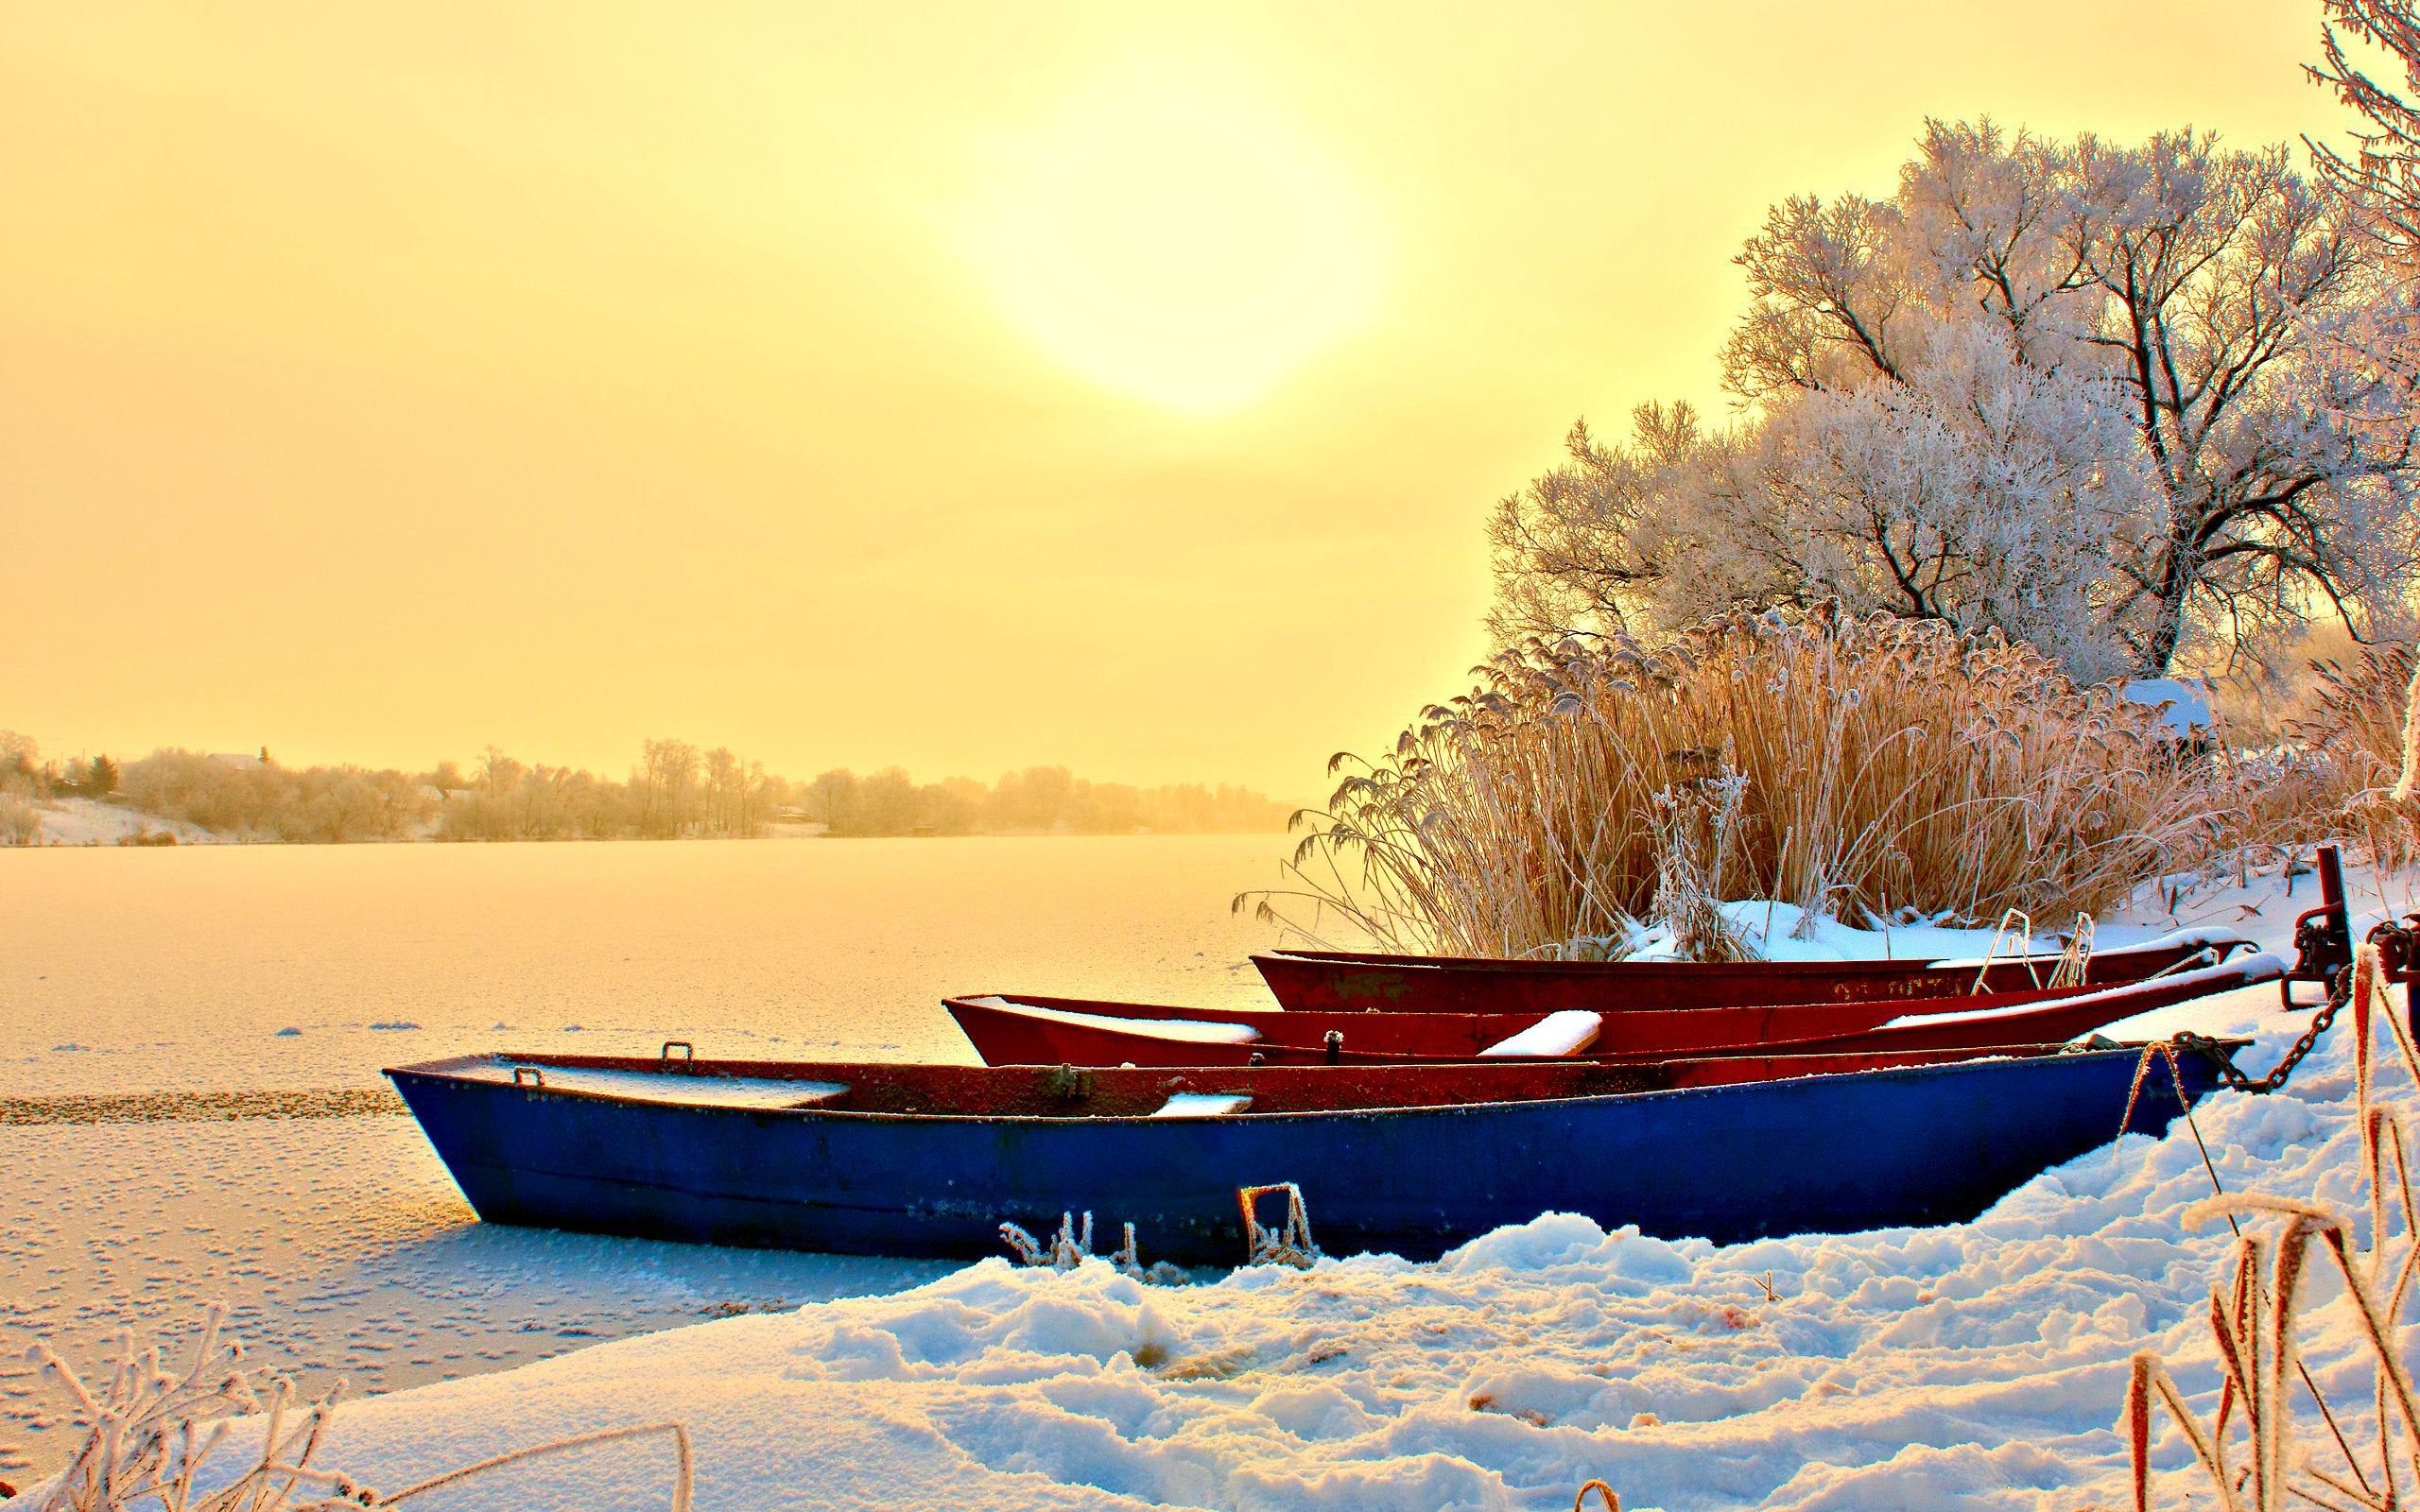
152 1432
2355 751
2261 1466
1880 765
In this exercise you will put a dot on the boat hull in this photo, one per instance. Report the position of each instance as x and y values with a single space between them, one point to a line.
1348 980
1823 1153
1013 1031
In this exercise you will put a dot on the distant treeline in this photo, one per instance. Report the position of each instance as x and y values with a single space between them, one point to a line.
1038 800
675 791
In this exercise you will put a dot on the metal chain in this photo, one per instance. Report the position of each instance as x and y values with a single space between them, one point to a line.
2339 992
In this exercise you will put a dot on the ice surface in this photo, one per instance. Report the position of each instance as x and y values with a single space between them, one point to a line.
343 1251
166 976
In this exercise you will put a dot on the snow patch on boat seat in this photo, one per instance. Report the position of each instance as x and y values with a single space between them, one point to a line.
1565 1032
1201 1105
1193 1031
699 1089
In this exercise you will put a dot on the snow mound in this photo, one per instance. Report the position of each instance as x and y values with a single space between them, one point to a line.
1776 931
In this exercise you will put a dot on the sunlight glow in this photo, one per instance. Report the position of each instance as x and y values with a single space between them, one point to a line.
1177 239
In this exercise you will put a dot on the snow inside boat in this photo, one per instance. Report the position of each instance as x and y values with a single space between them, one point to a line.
1354 980
900 1159
1020 1030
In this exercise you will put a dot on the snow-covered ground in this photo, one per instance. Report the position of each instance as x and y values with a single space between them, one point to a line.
89 822
1976 1365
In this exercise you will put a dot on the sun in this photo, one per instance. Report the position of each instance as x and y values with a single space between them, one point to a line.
1175 238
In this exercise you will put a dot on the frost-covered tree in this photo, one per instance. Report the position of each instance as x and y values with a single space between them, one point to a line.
2096 397
1980 491
2383 169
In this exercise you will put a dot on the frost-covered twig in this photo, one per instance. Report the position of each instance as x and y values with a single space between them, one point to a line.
1606 1495
2253 1319
1071 1246
152 1434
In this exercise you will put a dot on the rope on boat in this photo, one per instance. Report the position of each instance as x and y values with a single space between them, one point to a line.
2166 1050
1291 1244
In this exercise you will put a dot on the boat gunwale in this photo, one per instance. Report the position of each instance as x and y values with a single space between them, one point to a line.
441 1071
2224 942
2254 968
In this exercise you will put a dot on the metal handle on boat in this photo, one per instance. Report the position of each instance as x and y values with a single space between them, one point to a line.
689 1052
529 1077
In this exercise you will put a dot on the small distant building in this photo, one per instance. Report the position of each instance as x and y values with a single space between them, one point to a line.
789 820
241 761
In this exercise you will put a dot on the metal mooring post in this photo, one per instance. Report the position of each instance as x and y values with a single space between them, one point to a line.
2323 937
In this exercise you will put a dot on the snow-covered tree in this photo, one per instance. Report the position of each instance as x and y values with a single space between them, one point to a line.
2383 169
2098 398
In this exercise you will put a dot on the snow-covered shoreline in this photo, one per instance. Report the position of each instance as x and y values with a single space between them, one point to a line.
1974 1366
83 821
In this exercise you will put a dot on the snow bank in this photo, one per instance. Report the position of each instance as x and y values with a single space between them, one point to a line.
1777 930
89 822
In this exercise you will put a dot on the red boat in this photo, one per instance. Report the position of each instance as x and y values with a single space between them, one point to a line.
1348 980
1082 1032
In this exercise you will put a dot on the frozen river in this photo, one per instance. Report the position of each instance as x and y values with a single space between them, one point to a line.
165 991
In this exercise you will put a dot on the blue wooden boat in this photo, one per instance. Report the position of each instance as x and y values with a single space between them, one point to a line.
928 1160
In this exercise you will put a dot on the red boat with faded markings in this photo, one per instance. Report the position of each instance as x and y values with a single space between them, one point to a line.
1348 980
1082 1032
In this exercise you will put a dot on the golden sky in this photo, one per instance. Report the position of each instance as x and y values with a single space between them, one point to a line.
967 387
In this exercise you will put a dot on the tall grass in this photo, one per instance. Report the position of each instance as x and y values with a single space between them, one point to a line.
2354 739
2257 1452
153 1436
20 818
1881 765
